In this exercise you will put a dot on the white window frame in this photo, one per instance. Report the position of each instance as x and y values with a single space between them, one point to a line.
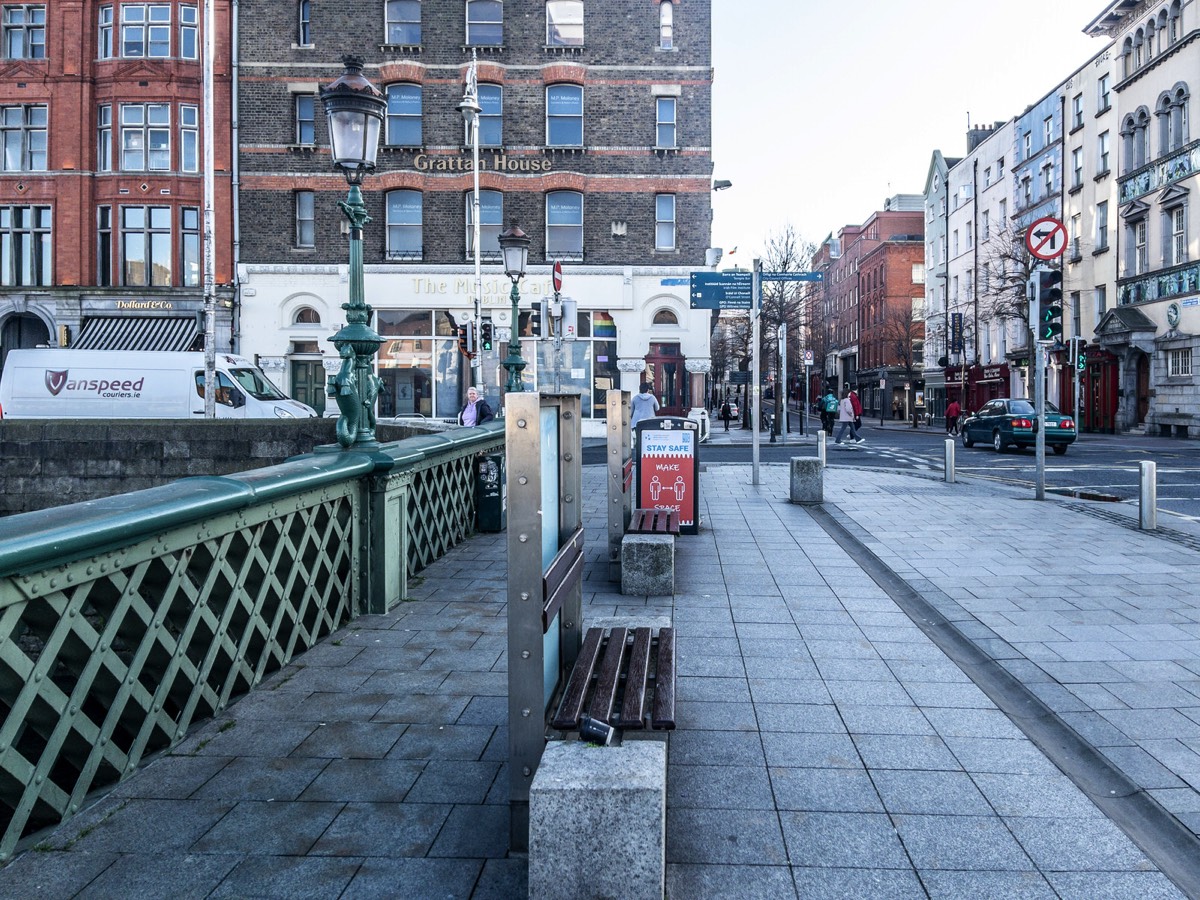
664 222
1077 111
1176 226
1102 225
491 224
666 25
1179 363
404 121
104 138
564 239
24 130
491 116
478 28
666 110
306 219
564 23
136 119
28 33
1102 150
560 118
189 137
401 229
153 26
189 32
1077 167
394 26
306 119
104 32
1103 93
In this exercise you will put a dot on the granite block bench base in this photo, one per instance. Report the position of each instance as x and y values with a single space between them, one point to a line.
806 481
648 564
598 821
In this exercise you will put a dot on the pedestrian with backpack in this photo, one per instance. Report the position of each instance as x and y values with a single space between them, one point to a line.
829 411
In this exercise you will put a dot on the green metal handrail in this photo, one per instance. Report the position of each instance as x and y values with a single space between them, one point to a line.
127 620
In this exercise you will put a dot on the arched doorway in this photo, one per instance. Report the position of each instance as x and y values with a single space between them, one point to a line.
22 331
667 376
1143 388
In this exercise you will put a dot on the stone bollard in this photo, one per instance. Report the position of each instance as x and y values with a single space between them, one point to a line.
821 447
807 480
598 821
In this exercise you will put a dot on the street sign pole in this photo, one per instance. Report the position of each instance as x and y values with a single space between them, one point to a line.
1039 394
781 388
755 387
804 416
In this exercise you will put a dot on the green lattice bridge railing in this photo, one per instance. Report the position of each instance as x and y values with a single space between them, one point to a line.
126 621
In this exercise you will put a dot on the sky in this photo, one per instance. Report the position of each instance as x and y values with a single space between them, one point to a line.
821 111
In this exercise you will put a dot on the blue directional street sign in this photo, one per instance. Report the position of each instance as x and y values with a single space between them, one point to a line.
722 290
792 276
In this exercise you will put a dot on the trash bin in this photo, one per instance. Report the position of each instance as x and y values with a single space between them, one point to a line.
491 500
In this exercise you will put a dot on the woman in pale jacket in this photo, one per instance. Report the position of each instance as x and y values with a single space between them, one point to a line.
846 420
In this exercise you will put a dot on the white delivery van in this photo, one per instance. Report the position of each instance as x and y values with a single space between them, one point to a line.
110 384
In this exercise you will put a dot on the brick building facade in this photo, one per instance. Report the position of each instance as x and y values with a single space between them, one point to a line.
101 191
595 138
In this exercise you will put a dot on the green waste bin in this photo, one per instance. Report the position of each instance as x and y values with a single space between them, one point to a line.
491 498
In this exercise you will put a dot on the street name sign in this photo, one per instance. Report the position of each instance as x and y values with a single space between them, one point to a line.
722 290
1046 238
792 276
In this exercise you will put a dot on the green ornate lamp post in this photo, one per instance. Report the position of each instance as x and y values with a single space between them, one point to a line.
514 247
355 108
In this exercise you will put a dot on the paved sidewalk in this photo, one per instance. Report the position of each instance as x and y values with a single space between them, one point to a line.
858 684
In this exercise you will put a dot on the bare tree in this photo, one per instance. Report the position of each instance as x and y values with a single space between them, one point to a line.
1006 269
783 303
903 334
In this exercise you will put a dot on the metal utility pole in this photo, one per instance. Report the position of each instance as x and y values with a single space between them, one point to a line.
781 389
755 387
210 277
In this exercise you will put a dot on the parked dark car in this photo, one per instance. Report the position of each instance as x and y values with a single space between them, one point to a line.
1012 423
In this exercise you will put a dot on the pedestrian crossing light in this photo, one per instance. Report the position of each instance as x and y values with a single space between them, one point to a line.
1049 303
466 340
485 336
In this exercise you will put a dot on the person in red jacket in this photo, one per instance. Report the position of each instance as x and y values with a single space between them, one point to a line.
856 405
953 411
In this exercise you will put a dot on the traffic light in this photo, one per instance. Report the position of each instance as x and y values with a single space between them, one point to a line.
466 340
1081 361
537 317
485 336
1049 300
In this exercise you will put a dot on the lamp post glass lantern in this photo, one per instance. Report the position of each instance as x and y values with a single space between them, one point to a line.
355 109
514 247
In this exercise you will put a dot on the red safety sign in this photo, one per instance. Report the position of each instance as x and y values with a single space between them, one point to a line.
557 277
1046 238
668 469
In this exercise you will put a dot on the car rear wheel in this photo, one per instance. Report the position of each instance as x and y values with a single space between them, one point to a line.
998 441
966 439
1060 449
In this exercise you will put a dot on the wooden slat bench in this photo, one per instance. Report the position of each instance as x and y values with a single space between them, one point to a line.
654 521
617 677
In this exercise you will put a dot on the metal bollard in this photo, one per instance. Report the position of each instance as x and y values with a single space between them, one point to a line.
949 461
1148 496
821 447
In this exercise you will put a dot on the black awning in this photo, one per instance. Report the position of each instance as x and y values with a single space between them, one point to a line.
138 333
